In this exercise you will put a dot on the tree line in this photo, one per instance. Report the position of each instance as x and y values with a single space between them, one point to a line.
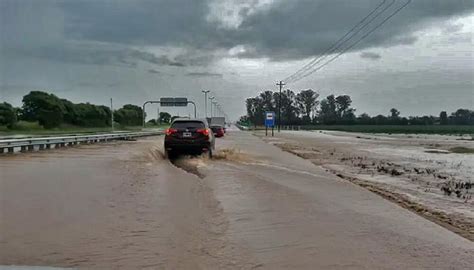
51 111
305 108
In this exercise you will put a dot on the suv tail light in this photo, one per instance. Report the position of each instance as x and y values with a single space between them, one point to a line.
170 131
203 131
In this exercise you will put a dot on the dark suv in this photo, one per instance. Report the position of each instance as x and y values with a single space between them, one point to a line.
189 136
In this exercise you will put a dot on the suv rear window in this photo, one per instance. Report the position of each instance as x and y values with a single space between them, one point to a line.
188 125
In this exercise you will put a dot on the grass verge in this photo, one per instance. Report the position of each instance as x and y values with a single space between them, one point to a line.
462 150
415 129
33 128
390 129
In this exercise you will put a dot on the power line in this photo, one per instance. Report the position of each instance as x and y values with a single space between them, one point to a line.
358 41
333 47
296 78
300 75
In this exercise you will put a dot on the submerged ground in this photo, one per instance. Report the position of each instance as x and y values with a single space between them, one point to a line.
122 205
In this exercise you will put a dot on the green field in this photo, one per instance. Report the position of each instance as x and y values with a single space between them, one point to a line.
415 129
390 129
462 150
33 128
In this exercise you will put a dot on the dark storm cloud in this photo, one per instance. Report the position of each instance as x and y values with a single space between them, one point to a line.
153 71
293 29
370 55
92 54
39 29
284 31
287 30
139 22
153 59
204 74
452 28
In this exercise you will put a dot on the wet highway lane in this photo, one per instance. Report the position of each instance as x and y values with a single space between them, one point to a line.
118 205
121 205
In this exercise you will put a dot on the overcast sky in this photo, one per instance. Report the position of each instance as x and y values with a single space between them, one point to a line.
420 62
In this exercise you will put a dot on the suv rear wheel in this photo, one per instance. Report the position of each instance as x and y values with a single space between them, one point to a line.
170 154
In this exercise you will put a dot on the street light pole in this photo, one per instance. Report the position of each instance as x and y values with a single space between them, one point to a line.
215 107
211 98
205 101
158 120
112 112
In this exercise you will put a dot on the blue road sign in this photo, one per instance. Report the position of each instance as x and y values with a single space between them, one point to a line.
269 119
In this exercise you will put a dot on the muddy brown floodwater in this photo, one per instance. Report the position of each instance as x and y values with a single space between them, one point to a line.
122 206
418 172
118 205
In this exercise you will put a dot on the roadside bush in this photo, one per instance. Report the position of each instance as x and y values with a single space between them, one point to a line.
129 115
89 115
45 108
8 115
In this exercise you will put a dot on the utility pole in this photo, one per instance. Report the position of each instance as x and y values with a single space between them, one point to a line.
112 112
281 84
205 101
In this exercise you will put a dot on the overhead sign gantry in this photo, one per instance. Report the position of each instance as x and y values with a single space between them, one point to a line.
170 102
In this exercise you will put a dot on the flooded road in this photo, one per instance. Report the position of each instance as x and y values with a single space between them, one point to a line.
121 205
418 172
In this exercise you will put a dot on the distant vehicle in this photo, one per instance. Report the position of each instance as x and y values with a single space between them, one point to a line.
217 121
189 136
218 131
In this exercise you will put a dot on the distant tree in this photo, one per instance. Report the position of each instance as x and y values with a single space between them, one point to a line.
443 118
337 110
164 117
8 115
70 113
394 113
348 117
364 119
129 115
152 122
343 104
307 101
380 120
403 121
462 117
90 115
327 113
423 120
174 117
244 120
45 108
345 114
299 108
289 110
255 110
394 116
267 101
107 115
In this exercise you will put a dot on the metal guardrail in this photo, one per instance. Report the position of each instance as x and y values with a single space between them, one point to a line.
31 144
241 127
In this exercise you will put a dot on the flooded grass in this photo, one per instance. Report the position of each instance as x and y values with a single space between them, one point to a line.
434 182
397 129
437 151
462 150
